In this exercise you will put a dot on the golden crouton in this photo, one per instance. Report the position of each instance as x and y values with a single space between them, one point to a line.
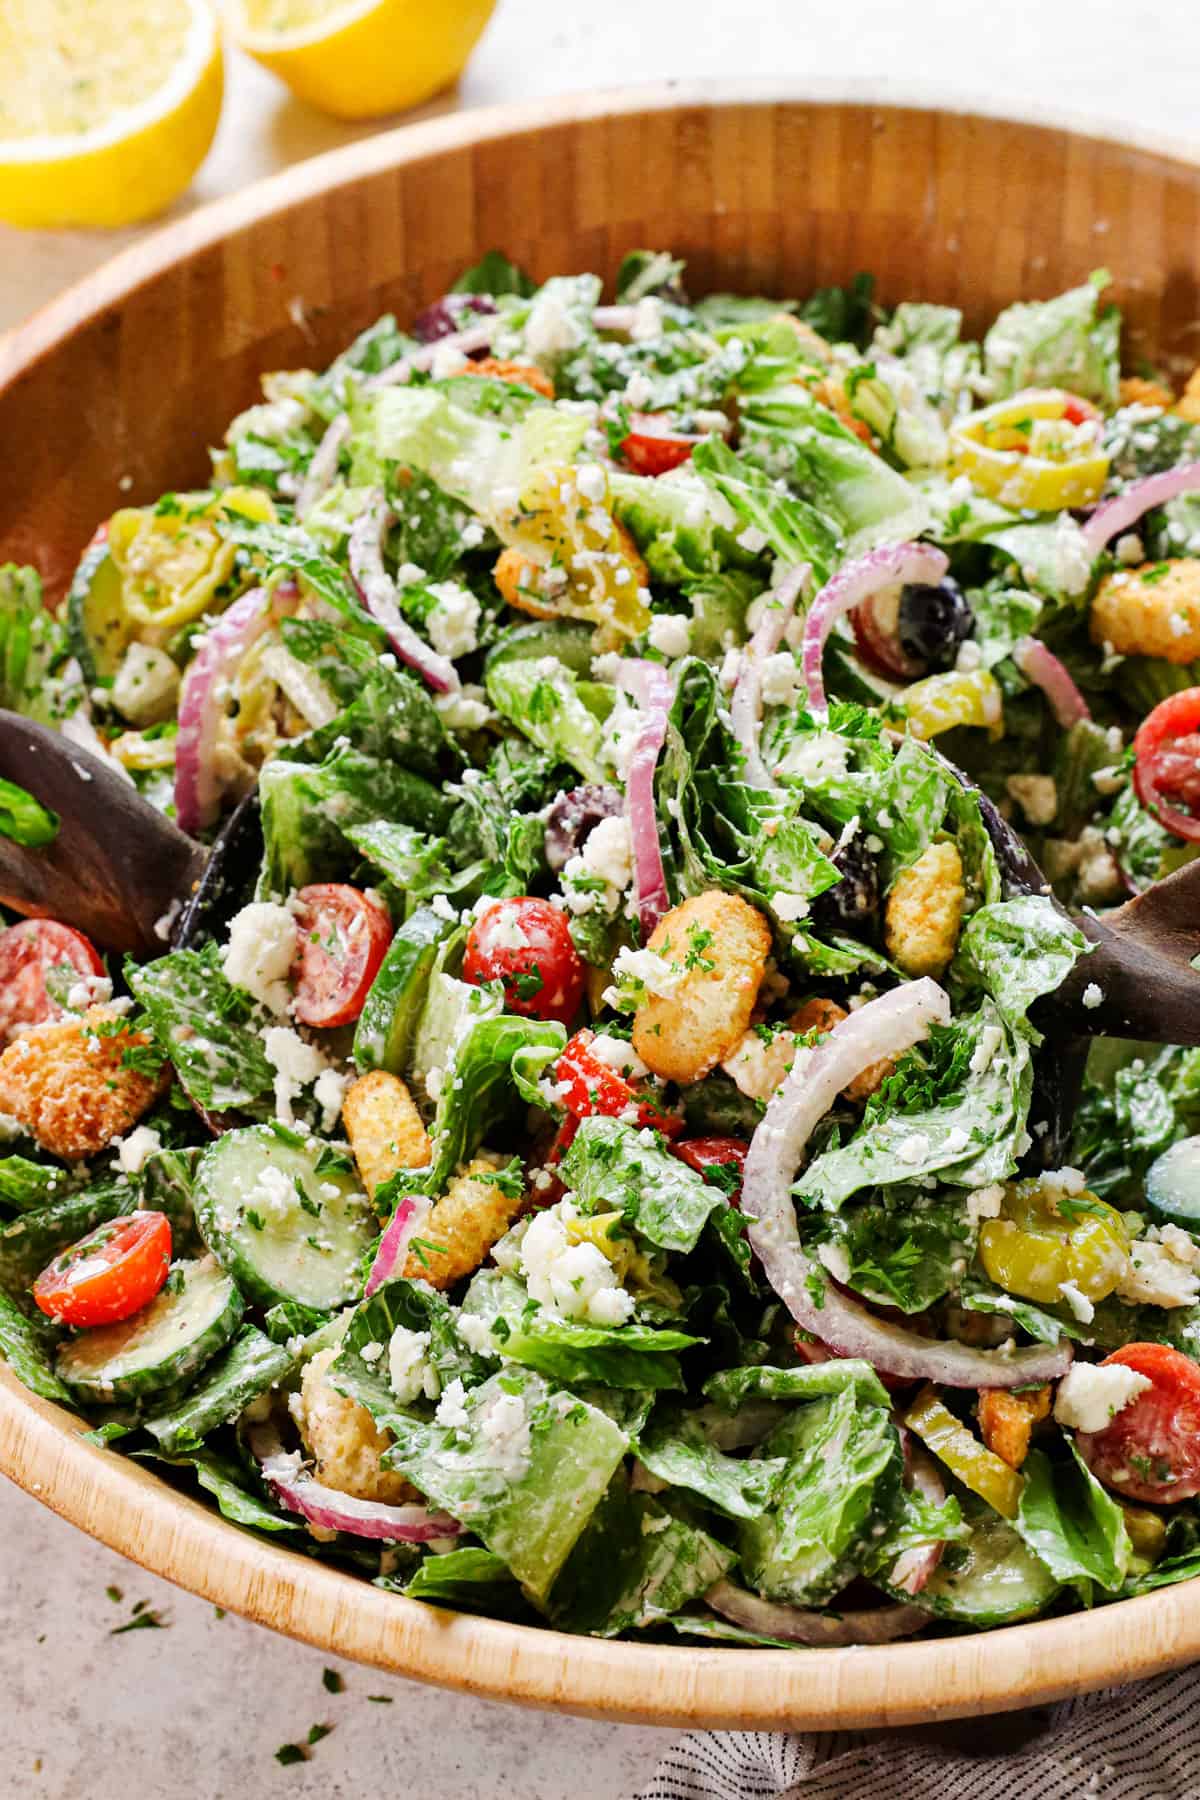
384 1128
924 911
343 1439
523 374
455 1236
1006 1420
1135 391
820 1014
67 1085
1188 406
715 948
1151 611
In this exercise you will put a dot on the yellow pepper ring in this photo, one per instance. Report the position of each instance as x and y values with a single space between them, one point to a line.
1004 451
959 697
1034 1251
977 1467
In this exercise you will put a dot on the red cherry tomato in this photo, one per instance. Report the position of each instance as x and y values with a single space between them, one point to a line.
1167 763
588 1086
526 945
877 636
705 1153
1150 1450
110 1274
28 952
344 935
652 446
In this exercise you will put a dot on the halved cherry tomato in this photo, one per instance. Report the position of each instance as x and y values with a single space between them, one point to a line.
28 952
1150 1450
344 935
110 1274
1167 763
724 1153
653 446
526 945
589 1086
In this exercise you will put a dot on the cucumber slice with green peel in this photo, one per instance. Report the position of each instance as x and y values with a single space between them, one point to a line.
98 628
182 1328
388 1021
285 1228
991 1579
849 679
567 639
1173 1184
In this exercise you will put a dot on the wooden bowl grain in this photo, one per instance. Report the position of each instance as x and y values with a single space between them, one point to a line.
112 394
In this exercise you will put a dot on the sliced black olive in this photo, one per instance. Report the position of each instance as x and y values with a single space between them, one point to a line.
932 623
852 903
453 312
573 817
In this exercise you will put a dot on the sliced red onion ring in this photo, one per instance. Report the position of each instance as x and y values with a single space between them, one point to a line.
379 596
468 342
904 563
771 1618
884 1027
745 706
1044 669
318 477
911 1571
392 1248
1125 509
330 1510
198 784
651 687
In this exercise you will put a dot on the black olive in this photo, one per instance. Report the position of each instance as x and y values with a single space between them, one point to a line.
453 312
932 623
852 903
572 819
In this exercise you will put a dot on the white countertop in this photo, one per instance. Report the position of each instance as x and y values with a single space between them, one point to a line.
196 1711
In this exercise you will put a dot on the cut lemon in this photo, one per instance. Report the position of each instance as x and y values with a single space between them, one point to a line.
359 58
106 111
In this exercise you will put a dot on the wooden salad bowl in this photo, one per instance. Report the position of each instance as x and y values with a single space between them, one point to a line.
113 393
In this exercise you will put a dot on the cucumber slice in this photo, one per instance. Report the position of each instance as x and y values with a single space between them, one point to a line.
451 1008
992 1579
848 679
567 639
98 627
284 1229
1173 1184
185 1325
388 1021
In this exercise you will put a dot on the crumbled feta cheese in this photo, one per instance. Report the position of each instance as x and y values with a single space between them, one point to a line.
135 1150
1156 1276
329 1091
789 907
1091 1395
453 621
638 390
442 907
89 990
647 319
412 1375
448 360
914 1148
574 1280
670 634
608 852
504 1429
476 1333
645 970
956 1140
591 481
782 679
145 685
985 1203
1078 1301
1036 795
1092 996
297 1065
1129 549
990 1039
452 1412
464 710
549 329
617 1053
752 539
817 756
505 931
263 940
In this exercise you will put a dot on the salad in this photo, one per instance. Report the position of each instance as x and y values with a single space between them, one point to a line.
596 1160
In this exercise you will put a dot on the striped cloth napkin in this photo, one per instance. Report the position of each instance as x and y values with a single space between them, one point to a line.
1128 1743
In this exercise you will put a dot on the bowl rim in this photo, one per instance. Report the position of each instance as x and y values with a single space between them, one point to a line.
125 1506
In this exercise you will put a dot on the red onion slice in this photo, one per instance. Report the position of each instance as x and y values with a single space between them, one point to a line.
467 342
911 1571
651 687
903 563
322 468
1044 669
745 706
884 1027
771 1618
330 1510
198 785
392 1248
1125 509
379 597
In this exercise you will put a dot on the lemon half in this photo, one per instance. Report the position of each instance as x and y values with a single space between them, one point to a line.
360 58
106 110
